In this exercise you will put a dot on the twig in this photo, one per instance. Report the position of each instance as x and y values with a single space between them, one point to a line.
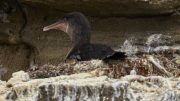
159 67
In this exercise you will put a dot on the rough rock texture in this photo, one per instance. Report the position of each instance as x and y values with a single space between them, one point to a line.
112 8
88 87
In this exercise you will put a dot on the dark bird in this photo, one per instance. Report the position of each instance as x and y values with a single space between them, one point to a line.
77 26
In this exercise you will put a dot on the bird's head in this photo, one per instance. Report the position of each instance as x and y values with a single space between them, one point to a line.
76 25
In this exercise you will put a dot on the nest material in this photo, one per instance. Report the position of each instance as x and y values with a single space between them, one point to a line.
162 64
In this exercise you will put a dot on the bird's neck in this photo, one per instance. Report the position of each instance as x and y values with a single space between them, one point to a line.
81 39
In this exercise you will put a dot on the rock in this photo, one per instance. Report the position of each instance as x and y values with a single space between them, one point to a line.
112 8
19 77
85 86
154 43
129 48
159 40
3 87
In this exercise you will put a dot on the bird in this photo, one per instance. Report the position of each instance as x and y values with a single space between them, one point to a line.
78 28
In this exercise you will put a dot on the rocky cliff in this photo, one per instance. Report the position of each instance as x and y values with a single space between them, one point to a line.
147 30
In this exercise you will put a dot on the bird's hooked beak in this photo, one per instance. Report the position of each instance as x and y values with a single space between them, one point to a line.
60 25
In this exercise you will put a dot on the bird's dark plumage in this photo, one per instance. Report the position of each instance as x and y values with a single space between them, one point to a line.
76 25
